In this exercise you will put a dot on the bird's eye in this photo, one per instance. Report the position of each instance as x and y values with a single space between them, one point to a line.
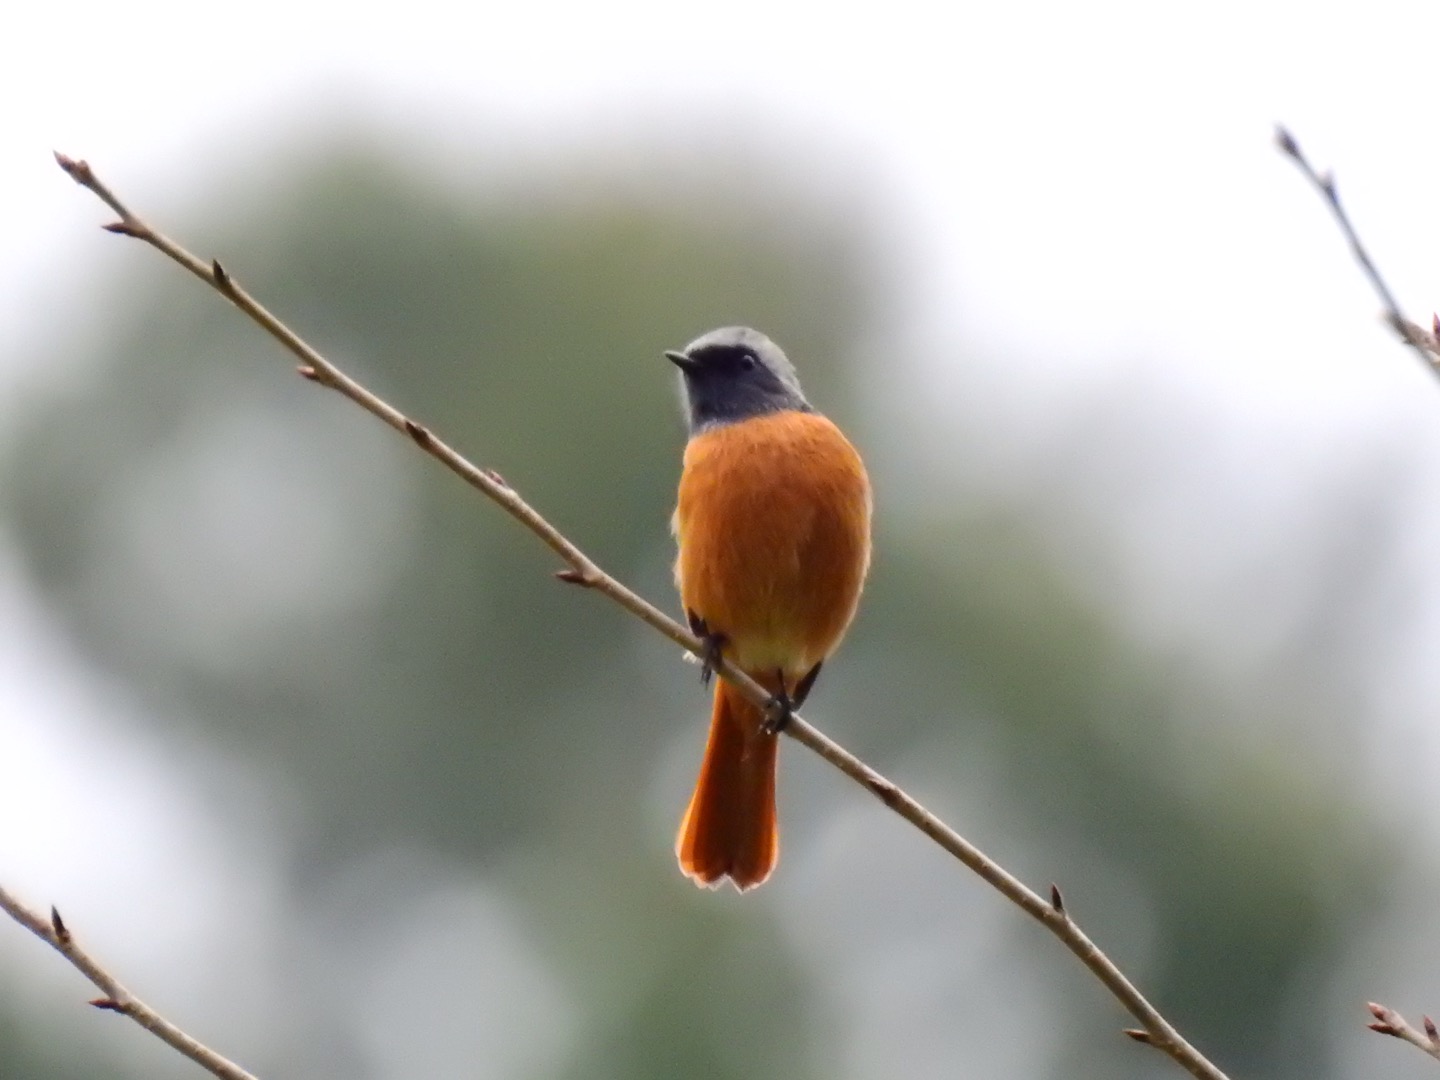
747 361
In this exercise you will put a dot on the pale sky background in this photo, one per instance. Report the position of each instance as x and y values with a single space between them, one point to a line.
1089 191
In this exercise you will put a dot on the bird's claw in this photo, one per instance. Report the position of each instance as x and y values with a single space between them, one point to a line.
778 709
714 644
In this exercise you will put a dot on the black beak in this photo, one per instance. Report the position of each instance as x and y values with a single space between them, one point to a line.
680 360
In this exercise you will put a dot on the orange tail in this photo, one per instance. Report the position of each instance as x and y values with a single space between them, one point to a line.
730 828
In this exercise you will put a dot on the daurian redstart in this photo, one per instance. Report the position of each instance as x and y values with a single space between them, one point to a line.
773 526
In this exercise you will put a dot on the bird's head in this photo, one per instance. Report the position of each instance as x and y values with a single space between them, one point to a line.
736 373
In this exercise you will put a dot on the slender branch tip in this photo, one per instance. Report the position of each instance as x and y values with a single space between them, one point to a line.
1286 142
1324 182
77 168
1389 1022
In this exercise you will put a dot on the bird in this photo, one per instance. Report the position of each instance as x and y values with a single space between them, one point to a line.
772 526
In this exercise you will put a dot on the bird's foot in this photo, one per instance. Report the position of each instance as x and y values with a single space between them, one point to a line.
713 641
779 709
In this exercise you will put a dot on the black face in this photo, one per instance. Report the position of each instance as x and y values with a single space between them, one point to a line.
727 383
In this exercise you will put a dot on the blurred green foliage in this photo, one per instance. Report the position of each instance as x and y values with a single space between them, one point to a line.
272 571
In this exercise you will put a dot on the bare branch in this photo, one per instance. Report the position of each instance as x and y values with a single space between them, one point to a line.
581 570
114 997
1423 341
1390 1022
1426 344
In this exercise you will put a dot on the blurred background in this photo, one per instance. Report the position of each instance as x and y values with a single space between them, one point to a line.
301 737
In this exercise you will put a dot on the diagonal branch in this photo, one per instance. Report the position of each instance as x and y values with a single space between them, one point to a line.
1154 1029
1389 1022
114 997
1423 341
1426 344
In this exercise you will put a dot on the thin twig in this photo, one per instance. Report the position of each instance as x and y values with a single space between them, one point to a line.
1426 343
1155 1029
1390 1022
114 997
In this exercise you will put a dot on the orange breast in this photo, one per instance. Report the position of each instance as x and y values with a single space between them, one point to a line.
773 522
